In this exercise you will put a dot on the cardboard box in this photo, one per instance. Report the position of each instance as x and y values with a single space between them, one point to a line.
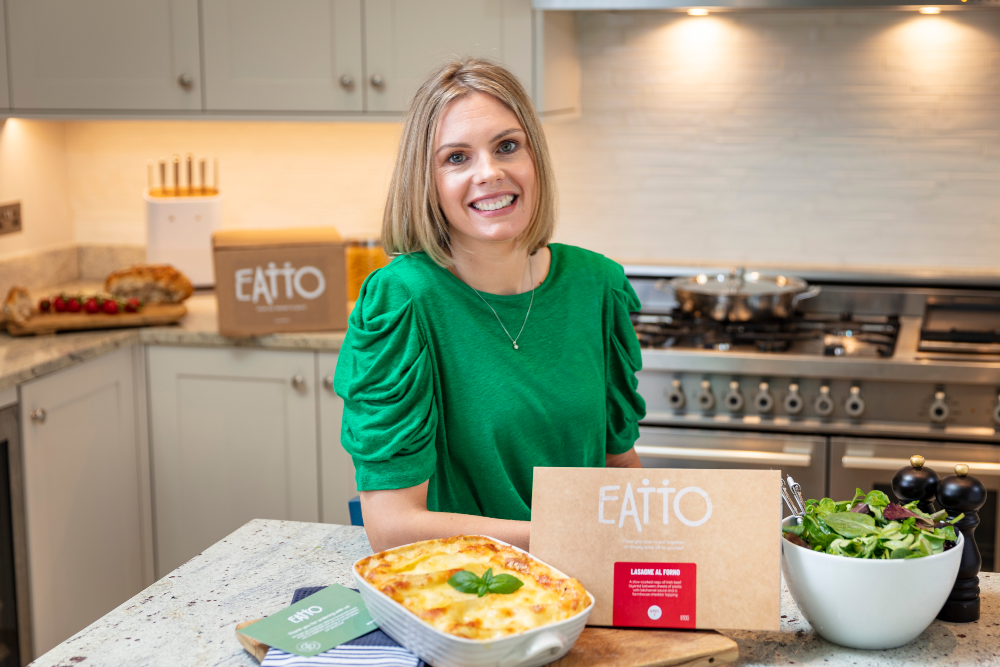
274 280
665 548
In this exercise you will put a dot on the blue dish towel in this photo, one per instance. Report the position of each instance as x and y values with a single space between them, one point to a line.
375 648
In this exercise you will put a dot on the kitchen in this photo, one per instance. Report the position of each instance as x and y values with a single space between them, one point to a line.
829 143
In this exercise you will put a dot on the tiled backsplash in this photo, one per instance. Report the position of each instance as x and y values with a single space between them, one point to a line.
835 138
841 138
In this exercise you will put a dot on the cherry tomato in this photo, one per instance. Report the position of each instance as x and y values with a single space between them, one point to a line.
91 306
59 304
111 307
73 305
132 305
44 305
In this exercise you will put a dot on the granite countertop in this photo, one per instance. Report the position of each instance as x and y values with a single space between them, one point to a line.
189 617
23 358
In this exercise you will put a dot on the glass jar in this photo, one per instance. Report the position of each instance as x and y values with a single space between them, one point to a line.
363 257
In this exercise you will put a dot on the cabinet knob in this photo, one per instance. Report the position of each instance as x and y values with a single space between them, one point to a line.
298 382
38 416
346 81
377 80
328 382
186 81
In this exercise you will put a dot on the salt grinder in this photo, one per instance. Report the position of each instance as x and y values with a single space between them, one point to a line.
962 494
916 483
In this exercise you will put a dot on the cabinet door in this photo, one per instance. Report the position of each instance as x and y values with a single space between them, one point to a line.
4 97
104 54
406 40
82 488
337 469
233 437
295 55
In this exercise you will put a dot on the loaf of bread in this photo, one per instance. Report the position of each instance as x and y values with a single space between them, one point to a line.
150 283
17 306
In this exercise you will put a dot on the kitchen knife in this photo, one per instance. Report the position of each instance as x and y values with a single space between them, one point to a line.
201 169
177 175
163 177
190 173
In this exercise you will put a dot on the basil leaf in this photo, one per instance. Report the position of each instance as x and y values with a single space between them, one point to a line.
465 582
850 524
487 576
483 588
504 584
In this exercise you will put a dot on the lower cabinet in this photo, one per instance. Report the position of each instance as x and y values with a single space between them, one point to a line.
337 469
86 493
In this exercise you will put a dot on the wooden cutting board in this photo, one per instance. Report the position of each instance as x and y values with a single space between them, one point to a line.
611 647
150 315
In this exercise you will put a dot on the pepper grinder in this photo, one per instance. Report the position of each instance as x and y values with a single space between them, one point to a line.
962 494
916 483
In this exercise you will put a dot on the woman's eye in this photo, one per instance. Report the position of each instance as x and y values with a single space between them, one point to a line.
456 158
507 146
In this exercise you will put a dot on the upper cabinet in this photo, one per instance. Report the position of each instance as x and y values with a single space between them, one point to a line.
4 97
118 55
264 57
406 40
294 55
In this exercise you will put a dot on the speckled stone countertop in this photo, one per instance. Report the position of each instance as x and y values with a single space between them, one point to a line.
31 356
189 617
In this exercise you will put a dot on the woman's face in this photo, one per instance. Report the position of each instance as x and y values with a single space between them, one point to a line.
483 170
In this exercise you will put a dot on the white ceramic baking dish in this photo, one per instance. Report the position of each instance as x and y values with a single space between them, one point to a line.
531 648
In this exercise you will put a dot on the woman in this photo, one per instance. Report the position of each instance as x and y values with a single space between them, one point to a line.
480 351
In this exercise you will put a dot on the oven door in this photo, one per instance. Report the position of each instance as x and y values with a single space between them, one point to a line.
870 463
801 456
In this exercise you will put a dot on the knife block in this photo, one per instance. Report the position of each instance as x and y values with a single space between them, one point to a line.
179 233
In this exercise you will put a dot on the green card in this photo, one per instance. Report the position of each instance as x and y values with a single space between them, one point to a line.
323 620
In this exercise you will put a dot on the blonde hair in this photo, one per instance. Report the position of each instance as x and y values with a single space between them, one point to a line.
413 219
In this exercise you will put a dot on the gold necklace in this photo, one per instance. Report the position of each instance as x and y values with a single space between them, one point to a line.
513 339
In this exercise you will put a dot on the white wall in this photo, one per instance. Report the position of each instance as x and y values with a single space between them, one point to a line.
33 171
842 138
273 174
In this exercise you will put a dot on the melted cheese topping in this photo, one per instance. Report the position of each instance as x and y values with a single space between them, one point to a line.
417 576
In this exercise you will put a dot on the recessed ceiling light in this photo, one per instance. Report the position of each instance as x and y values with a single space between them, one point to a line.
698 11
930 10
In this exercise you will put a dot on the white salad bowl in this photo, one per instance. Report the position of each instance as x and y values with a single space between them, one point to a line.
866 603
531 648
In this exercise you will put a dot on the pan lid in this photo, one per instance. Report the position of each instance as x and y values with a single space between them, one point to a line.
739 281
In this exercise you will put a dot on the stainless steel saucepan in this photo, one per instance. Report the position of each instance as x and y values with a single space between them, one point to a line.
741 296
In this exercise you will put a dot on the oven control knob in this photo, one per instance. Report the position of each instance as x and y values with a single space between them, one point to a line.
939 408
675 397
734 399
824 404
706 399
793 401
855 405
764 400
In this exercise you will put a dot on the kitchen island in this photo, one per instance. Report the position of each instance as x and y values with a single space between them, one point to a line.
189 617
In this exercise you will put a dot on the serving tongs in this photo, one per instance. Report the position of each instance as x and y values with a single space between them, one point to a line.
793 498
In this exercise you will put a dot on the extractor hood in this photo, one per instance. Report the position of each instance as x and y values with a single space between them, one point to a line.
737 5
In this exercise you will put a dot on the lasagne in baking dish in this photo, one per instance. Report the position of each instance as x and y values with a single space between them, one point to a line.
416 576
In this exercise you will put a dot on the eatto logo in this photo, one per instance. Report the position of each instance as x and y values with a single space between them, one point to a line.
630 510
307 282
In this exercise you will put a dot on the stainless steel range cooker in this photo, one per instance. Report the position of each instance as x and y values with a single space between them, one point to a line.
870 371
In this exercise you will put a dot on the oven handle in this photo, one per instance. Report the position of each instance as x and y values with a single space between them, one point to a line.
876 463
726 455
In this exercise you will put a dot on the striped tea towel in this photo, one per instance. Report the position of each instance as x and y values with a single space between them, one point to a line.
375 648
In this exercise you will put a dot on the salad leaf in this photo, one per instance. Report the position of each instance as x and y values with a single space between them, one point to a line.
871 526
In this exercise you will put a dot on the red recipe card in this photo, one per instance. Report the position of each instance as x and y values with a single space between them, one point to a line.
655 595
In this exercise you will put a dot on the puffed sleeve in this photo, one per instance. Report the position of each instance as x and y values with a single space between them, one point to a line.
384 375
625 405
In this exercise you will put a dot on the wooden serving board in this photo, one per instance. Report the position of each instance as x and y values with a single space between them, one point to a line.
150 315
612 647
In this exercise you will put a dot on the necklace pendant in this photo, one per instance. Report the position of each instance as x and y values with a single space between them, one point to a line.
515 345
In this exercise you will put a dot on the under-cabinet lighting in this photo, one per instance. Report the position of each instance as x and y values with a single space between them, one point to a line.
930 10
698 11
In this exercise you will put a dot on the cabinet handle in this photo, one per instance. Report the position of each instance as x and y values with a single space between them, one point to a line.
38 416
346 81
328 382
298 382
185 81
377 80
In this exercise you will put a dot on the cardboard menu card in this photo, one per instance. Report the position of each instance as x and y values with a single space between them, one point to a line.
663 547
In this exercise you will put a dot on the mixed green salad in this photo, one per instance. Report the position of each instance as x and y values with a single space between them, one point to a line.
870 526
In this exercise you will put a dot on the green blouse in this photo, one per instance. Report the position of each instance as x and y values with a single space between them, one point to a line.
433 388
